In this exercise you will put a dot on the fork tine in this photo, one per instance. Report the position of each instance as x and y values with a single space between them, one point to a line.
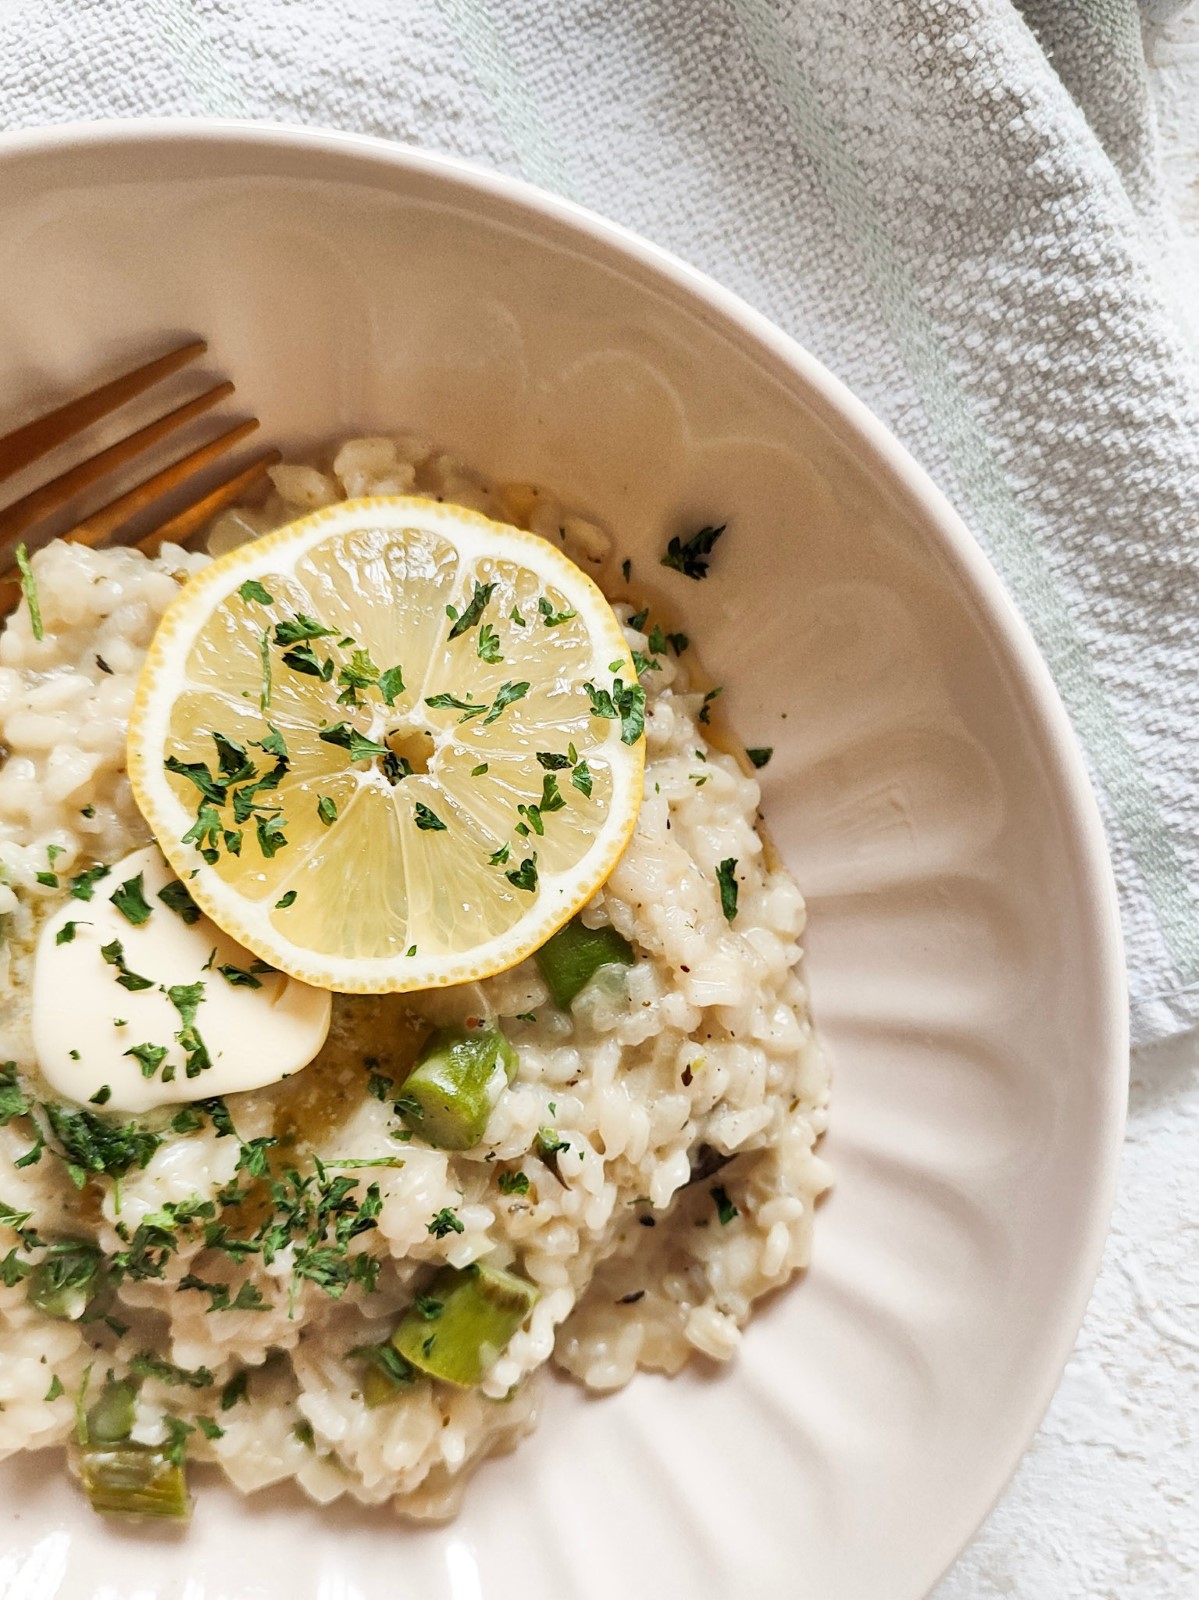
26 444
180 528
95 529
43 502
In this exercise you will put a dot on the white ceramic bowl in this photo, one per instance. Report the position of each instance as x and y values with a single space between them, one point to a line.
925 788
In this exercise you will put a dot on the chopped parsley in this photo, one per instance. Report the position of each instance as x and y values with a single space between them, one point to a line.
48 880
505 696
93 1144
66 933
264 650
725 1209
130 900
477 772
102 1095
147 1365
688 555
551 618
549 1142
391 684
326 809
235 1390
728 887
525 876
289 899
581 778
626 703
176 897
513 1183
114 954
238 977
299 629
29 590
759 755
445 1222
149 1057
13 1100
55 1389
474 610
488 645
252 590
360 748
428 821
678 642
84 885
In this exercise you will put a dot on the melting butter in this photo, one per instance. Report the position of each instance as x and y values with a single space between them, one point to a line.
86 1021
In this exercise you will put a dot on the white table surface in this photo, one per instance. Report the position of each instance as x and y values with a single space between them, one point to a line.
1105 1505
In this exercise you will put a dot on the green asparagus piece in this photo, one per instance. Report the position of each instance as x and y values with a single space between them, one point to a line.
110 1419
133 1482
388 1375
570 958
66 1280
455 1085
478 1309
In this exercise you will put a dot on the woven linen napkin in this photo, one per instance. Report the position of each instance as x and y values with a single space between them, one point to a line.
953 203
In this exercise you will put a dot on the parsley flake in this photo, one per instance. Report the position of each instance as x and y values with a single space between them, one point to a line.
428 821
474 610
29 590
114 954
687 555
445 1222
759 755
728 887
130 900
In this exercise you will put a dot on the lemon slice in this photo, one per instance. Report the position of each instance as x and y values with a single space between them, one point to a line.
391 746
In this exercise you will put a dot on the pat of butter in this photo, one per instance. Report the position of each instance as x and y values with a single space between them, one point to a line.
86 1021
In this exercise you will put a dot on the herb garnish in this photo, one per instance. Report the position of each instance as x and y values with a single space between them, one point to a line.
83 886
525 876
130 900
29 590
725 1209
147 1365
687 555
513 1183
474 610
624 702
176 898
428 821
446 1221
114 954
759 755
728 887
253 590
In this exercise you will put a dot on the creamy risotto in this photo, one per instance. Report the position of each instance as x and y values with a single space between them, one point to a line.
306 1281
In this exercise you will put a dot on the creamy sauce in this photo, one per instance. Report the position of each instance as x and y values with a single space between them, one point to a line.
86 1021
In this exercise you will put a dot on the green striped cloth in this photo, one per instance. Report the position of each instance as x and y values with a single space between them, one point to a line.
954 203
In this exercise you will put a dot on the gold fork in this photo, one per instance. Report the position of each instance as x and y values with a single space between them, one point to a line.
21 520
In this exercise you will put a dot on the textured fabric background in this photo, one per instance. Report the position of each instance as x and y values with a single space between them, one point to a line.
954 203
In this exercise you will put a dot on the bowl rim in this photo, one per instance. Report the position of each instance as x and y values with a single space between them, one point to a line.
850 419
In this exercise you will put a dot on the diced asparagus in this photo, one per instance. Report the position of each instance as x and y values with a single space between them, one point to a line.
388 1375
570 958
133 1482
110 1420
455 1085
66 1280
479 1308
